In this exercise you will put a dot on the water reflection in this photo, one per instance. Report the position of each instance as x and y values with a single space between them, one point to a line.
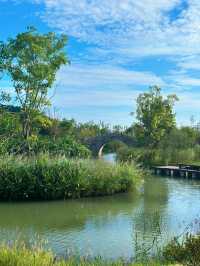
106 226
110 157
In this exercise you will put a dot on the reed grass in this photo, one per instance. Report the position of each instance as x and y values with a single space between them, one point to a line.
22 256
47 178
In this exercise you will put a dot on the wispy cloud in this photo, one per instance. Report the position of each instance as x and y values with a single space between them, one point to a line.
136 27
104 77
124 30
116 34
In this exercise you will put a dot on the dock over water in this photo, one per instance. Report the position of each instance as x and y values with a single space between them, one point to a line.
181 170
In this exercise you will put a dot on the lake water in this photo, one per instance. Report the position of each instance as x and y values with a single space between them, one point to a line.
107 226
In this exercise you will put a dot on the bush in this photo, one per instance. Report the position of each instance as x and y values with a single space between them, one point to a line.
49 178
148 157
187 252
144 157
62 146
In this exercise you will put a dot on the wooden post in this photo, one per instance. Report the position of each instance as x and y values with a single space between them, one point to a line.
186 174
193 175
181 173
158 171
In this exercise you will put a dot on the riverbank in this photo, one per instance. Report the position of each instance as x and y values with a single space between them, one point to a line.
47 178
176 252
22 256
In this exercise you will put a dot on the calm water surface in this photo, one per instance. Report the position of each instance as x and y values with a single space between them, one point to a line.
106 226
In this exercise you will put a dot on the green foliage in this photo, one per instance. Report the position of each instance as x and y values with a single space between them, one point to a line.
141 156
32 60
62 146
20 255
155 117
9 124
175 156
90 129
185 252
161 156
181 138
4 97
59 178
114 146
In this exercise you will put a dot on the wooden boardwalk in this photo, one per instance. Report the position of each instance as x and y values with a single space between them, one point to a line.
184 171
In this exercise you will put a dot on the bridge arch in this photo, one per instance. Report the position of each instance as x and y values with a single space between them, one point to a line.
97 144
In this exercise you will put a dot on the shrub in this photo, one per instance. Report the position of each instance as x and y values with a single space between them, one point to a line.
43 177
187 252
149 157
62 146
144 157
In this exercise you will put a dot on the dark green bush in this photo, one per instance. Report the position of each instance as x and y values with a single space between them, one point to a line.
144 157
148 157
61 146
59 178
187 252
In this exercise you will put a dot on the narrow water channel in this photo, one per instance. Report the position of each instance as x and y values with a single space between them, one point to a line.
106 226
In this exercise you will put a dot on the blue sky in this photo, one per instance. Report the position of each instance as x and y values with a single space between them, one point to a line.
118 48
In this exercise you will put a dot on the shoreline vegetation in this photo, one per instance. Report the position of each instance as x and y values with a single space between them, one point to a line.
45 177
175 253
178 252
23 256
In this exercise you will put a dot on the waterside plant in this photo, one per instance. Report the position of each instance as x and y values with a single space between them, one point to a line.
50 178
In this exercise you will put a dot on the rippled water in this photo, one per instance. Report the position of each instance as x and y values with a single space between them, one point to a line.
106 226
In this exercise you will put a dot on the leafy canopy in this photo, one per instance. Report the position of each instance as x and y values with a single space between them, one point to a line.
32 60
155 116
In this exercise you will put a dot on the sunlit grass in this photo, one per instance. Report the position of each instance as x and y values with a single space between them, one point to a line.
22 256
50 178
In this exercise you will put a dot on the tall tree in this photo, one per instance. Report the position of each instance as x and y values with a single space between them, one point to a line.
155 116
32 60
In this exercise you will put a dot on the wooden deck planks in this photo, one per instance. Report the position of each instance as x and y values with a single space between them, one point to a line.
187 171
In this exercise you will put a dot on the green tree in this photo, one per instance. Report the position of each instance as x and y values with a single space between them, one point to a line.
155 117
32 60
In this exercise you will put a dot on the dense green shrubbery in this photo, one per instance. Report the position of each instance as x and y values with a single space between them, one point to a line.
43 177
138 155
62 146
187 252
176 156
114 146
147 157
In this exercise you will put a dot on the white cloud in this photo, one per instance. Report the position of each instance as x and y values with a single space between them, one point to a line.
104 76
105 21
121 31
92 98
100 85
133 27
182 80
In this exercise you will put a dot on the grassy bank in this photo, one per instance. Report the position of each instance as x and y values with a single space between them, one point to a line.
150 157
48 178
12 256
175 253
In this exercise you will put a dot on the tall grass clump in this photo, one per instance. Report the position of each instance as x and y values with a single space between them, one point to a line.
19 255
47 178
